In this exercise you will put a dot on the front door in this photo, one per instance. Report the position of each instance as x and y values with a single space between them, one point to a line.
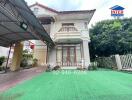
69 56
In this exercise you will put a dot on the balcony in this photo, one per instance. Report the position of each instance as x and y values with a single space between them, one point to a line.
70 34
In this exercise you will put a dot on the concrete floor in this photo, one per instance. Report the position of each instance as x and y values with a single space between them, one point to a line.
11 79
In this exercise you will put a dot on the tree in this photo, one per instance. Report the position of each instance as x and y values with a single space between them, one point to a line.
111 37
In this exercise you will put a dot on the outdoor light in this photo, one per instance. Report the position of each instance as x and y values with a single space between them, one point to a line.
23 25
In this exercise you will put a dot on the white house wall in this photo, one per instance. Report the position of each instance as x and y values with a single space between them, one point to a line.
52 57
79 24
42 11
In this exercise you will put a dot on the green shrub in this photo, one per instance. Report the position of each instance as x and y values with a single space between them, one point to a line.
2 59
48 69
57 67
24 63
26 58
93 66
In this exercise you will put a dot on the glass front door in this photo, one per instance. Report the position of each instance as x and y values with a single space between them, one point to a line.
69 56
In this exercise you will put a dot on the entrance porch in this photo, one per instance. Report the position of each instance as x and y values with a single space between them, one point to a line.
70 55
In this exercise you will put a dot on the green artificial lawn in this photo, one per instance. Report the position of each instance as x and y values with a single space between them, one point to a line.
74 85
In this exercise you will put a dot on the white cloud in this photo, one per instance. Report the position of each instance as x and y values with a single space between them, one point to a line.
101 6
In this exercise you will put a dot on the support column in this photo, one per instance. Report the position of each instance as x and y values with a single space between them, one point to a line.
118 62
86 53
17 56
52 57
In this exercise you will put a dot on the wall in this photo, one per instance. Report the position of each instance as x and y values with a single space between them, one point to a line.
52 57
79 24
40 54
42 11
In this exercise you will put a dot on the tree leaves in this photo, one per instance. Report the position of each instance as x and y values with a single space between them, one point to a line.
110 37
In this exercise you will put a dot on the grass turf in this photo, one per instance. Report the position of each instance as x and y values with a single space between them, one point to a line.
73 85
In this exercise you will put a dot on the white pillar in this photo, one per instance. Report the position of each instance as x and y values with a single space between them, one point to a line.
52 57
118 62
86 53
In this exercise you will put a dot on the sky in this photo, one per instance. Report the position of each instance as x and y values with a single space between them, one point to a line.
102 7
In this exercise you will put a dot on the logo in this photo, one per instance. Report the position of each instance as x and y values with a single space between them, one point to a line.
117 11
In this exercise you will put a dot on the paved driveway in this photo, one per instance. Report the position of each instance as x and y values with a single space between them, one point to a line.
11 79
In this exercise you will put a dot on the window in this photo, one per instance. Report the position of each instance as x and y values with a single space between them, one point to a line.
35 10
68 27
67 24
86 25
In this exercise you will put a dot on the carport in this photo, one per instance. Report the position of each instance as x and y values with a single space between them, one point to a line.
17 24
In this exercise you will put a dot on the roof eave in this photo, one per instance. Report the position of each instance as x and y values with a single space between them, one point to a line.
77 11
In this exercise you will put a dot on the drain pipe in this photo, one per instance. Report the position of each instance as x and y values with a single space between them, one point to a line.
47 54
8 58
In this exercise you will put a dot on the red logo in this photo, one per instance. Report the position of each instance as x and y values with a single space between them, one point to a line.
117 12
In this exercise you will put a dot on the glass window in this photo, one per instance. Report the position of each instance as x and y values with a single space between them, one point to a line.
35 10
86 25
67 24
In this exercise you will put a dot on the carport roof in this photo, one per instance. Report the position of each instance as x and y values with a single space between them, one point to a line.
18 23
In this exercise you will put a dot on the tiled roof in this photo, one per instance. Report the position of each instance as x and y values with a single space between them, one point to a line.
62 12
43 6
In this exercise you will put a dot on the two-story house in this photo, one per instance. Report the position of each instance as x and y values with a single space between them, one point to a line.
69 31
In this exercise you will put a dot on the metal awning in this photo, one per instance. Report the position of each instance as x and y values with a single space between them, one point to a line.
18 23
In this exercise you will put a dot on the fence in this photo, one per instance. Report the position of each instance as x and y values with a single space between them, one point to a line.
107 62
126 61
119 62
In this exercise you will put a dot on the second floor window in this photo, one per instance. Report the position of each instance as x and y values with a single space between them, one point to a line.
35 10
68 27
86 25
67 24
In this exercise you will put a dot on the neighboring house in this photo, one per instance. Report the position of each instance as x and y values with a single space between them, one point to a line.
69 31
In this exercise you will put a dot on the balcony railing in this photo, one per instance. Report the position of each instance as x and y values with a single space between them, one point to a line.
71 33
68 29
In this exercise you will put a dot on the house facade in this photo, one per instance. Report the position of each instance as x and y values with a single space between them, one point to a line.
69 31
